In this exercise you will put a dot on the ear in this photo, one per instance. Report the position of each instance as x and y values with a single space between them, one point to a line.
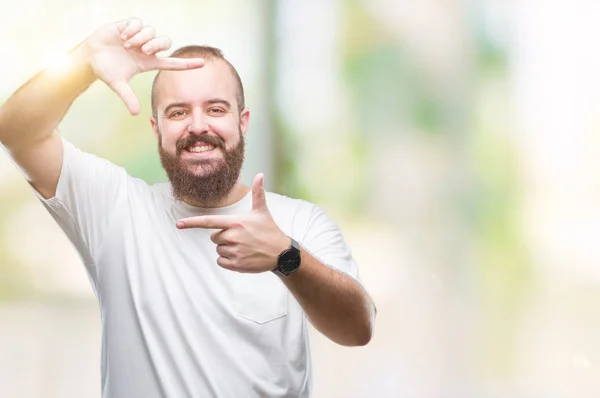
154 124
244 120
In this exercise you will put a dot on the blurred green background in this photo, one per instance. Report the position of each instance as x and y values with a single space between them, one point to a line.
453 141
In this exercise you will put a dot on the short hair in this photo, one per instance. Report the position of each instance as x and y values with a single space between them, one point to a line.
208 53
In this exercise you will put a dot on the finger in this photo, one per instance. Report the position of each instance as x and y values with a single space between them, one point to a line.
218 237
132 26
122 25
225 251
208 222
259 202
142 37
156 45
226 263
177 63
124 90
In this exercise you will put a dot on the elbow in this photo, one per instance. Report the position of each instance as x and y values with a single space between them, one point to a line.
357 332
363 339
361 336
364 334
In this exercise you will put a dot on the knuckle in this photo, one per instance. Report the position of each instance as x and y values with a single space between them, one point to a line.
234 266
223 262
233 252
134 23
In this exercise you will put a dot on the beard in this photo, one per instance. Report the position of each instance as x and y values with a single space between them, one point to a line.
206 182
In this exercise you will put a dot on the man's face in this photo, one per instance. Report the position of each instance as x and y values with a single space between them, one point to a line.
200 131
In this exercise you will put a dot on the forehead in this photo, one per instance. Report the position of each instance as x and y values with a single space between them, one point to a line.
214 80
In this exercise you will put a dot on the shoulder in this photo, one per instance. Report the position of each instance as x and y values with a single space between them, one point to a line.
281 204
303 217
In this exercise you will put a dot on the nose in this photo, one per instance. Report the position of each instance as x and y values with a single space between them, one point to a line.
198 123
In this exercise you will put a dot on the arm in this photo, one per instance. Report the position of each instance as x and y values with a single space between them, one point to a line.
335 303
30 117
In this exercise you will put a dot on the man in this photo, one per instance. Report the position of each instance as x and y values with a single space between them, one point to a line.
205 285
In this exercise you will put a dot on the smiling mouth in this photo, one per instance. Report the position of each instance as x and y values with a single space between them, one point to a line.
200 148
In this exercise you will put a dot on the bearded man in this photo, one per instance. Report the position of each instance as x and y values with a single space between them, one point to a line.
205 285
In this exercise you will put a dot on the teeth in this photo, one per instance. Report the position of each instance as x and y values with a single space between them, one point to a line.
201 148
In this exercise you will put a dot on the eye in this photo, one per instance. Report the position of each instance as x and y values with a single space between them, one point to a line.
179 114
217 111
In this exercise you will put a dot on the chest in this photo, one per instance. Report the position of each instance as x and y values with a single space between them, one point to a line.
167 273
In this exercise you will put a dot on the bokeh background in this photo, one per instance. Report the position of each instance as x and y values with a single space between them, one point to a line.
456 142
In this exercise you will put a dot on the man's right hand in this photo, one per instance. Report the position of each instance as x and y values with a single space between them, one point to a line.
118 51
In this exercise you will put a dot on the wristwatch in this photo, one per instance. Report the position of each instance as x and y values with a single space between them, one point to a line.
289 259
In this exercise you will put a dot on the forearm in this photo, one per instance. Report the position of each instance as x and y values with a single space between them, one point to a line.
32 113
335 303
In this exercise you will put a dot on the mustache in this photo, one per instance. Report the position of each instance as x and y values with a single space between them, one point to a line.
190 140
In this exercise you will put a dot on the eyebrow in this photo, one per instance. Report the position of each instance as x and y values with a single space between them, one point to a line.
174 105
218 101
185 104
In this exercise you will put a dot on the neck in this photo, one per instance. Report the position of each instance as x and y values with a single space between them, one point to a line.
236 194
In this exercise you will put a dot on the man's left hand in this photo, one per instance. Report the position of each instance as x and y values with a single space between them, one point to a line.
247 243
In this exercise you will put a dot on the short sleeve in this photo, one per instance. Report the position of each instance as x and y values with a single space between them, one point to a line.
324 240
90 191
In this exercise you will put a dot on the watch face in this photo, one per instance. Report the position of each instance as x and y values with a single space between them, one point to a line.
289 260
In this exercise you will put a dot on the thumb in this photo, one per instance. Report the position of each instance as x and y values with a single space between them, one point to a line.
259 202
124 90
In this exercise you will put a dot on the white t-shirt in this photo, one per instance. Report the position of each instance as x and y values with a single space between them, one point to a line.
174 323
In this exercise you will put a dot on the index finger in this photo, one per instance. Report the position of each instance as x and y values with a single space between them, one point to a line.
172 63
208 222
